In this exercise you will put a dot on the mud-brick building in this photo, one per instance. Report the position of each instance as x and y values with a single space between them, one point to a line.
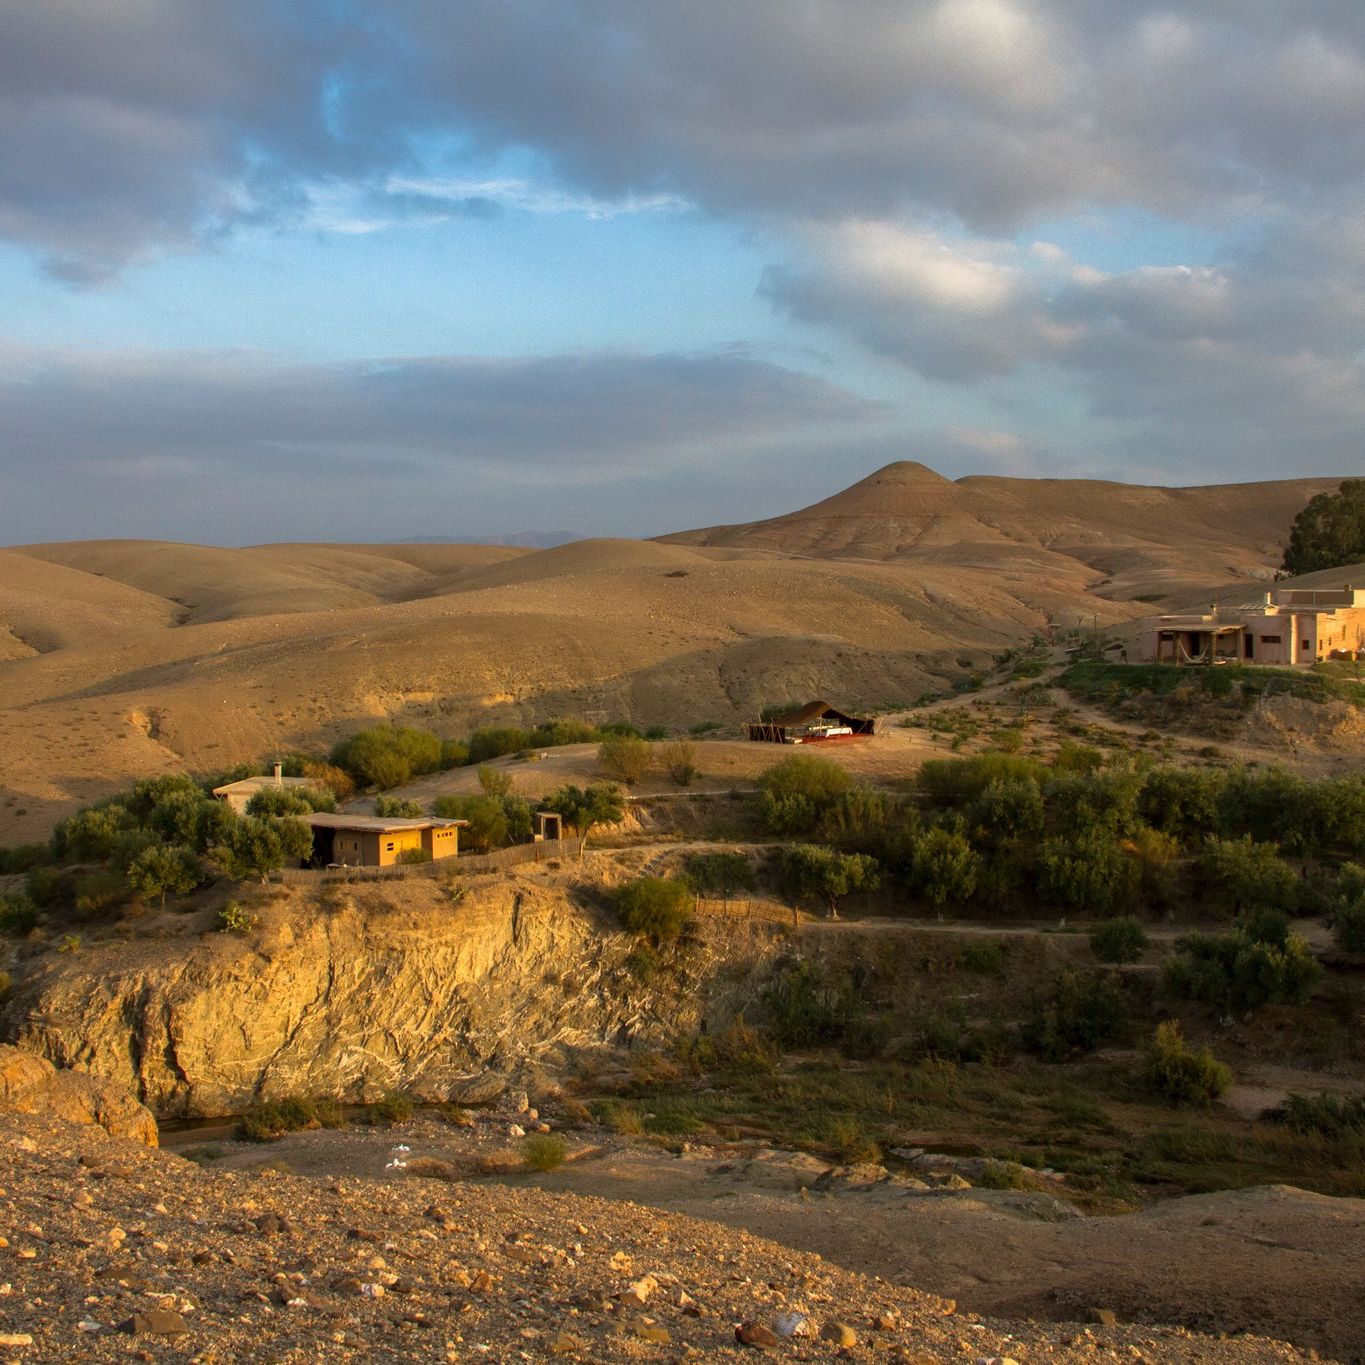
379 841
1291 626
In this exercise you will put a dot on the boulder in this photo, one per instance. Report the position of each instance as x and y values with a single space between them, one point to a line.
30 1085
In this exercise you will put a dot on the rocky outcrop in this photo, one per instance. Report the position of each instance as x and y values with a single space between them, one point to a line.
31 1085
359 991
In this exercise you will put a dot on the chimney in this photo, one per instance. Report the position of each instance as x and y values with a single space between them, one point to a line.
279 774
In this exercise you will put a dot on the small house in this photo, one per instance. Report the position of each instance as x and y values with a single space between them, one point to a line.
815 723
238 794
380 841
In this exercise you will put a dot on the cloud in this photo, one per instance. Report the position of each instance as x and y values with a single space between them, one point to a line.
90 438
1252 368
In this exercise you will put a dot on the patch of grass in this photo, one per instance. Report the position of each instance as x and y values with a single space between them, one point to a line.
545 1151
985 957
621 1116
202 1156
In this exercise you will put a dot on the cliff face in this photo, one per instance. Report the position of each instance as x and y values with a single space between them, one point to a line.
357 993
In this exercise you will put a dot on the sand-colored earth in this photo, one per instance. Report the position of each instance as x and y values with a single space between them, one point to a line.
121 658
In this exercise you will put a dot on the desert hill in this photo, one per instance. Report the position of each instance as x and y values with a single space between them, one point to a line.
123 658
1144 538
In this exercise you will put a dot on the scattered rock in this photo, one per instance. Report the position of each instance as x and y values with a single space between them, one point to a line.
482 1090
1106 1317
155 1322
840 1333
756 1335
793 1325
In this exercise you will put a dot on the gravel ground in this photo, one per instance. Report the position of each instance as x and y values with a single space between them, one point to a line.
111 1251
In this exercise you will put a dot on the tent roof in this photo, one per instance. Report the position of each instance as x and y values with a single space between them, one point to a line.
810 711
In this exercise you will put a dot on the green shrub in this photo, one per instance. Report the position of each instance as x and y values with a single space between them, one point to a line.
392 1110
1085 805
163 869
1008 808
985 957
1183 802
487 816
494 742
235 918
411 857
816 780
954 783
625 758
656 907
23 858
1080 1013
1347 909
494 781
398 808
92 893
1179 1073
273 1118
720 874
1088 874
1240 874
1122 939
856 821
545 1151
388 755
1235 973
1330 1116
277 801
18 914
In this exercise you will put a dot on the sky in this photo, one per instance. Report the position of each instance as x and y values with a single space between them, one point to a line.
365 270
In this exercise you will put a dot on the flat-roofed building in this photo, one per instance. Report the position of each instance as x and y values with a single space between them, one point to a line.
1291 626
380 841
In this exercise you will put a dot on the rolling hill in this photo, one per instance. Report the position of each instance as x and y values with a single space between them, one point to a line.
123 658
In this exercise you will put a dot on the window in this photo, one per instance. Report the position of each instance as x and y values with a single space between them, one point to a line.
388 848
1306 645
1270 639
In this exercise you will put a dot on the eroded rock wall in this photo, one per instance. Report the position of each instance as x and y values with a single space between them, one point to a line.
359 992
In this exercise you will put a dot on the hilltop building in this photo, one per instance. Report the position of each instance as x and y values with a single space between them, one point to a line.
1292 626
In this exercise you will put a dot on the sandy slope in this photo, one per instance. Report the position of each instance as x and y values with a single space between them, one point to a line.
122 658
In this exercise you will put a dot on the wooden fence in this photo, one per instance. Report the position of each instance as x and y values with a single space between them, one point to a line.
711 907
467 864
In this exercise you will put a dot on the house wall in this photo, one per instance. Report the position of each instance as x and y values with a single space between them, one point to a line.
441 843
388 847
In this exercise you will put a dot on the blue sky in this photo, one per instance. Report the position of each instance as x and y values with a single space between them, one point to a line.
615 267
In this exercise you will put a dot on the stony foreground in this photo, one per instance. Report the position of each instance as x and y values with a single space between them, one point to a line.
112 1251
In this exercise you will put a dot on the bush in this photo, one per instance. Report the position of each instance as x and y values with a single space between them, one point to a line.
1122 939
720 874
625 758
234 918
274 1118
92 893
494 742
392 1110
545 1151
398 808
18 914
494 781
1008 808
1088 874
857 821
23 858
818 781
952 783
1233 972
584 808
1079 1014
162 869
1181 1074
411 857
285 801
985 957
1183 802
1330 1116
1347 909
679 762
1087 804
388 755
657 907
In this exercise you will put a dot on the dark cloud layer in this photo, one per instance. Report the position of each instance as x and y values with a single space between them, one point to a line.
377 446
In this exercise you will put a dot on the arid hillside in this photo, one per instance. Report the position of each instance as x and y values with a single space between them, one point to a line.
124 658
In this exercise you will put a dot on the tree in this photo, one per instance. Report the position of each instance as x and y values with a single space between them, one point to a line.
90 834
487 827
280 801
944 867
160 868
584 808
257 847
1089 874
829 876
1240 874
388 755
394 808
1348 909
1329 532
1122 939
625 757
